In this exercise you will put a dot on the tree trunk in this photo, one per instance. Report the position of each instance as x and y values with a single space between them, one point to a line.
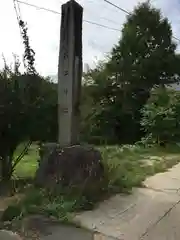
6 173
6 168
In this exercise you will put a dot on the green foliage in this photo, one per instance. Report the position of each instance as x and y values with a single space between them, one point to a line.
37 201
11 213
28 109
125 167
143 58
161 116
99 107
29 54
28 164
145 55
22 99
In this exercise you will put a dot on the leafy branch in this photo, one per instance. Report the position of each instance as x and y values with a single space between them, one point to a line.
29 54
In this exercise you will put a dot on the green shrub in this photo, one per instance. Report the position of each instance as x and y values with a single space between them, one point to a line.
11 212
161 116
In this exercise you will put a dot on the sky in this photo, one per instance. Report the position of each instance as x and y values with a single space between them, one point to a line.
44 29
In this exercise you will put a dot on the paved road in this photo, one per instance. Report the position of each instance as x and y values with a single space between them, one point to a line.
69 233
148 214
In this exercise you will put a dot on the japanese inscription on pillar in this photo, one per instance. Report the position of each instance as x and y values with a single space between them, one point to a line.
69 72
65 63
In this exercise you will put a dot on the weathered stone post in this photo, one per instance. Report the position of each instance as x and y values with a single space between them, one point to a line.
59 160
70 73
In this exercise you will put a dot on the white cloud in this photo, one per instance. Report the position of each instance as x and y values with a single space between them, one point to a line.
44 29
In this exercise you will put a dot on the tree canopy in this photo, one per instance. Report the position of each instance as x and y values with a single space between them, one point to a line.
144 57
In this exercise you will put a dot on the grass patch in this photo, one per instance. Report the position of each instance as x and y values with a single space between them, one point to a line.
125 167
41 202
121 160
28 165
129 165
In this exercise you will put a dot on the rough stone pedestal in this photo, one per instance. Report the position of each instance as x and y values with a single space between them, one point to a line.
70 166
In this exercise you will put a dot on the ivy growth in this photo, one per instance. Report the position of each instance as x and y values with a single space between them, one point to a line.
29 54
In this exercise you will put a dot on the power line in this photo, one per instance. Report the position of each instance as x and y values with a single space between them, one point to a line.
109 20
125 11
37 7
116 6
102 17
55 12
18 16
101 25
19 10
16 11
87 21
176 38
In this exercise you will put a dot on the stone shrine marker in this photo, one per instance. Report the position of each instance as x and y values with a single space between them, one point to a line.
57 161
70 73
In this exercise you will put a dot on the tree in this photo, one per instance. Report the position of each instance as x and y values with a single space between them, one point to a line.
28 111
28 105
145 53
97 103
161 116
143 58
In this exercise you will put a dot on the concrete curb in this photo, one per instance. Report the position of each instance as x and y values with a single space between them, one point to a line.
100 236
8 235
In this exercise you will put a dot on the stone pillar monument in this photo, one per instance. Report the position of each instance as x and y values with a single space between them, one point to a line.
70 73
58 160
